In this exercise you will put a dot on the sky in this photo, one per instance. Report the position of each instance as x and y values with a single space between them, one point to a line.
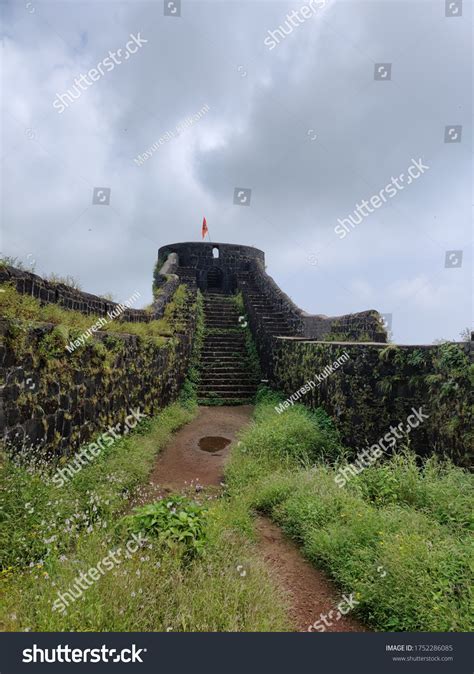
308 116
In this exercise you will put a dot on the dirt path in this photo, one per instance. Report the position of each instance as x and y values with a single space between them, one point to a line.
311 594
185 465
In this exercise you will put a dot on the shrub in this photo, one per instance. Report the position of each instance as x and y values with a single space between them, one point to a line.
175 521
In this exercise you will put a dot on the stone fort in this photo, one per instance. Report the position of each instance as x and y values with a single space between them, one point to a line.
252 334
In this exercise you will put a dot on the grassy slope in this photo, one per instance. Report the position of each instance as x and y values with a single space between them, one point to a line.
19 307
52 534
396 536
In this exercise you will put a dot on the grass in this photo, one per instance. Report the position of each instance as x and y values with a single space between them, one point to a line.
39 519
22 309
51 535
395 536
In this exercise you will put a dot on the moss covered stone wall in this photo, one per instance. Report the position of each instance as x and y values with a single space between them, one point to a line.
378 385
56 401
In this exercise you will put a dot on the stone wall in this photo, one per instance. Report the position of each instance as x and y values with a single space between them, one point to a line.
379 385
48 292
56 401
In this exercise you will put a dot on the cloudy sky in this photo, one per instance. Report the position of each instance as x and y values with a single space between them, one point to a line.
298 118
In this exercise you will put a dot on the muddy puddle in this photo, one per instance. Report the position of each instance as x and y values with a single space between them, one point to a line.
213 443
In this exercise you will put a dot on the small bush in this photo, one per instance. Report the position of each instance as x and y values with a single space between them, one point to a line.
175 521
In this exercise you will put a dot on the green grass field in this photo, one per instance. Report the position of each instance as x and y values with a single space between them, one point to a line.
396 536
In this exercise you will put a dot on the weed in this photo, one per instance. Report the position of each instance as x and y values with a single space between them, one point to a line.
175 521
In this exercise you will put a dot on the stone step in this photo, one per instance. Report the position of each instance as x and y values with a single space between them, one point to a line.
207 376
230 321
219 298
227 333
228 336
209 402
226 389
228 392
220 311
227 325
209 349
222 355
230 369
222 359
213 343
244 375
221 314
238 347
272 319
277 326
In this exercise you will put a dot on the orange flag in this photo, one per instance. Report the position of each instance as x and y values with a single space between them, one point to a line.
204 228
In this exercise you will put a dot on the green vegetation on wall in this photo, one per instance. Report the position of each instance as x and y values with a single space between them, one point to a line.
379 385
55 396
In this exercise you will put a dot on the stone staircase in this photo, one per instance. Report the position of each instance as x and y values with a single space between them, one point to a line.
226 377
272 319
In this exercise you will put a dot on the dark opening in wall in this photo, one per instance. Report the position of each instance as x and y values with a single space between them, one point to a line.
215 278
